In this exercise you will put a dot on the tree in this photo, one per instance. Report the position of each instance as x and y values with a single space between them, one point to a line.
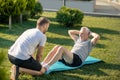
1 9
30 5
20 6
7 8
12 7
37 9
15 7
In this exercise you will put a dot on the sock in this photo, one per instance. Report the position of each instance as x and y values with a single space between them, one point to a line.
41 63
46 66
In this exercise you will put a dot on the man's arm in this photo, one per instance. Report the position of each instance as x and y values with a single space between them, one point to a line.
73 34
95 38
39 53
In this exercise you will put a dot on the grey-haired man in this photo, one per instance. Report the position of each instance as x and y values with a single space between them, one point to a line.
80 51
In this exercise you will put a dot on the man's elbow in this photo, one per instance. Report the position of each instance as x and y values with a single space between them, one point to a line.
98 37
69 31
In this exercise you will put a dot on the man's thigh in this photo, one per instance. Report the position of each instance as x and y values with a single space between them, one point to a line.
31 64
68 56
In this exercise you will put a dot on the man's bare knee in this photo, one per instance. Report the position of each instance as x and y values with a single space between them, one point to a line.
61 49
56 46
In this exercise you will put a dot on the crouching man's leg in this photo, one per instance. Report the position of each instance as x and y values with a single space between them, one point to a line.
15 73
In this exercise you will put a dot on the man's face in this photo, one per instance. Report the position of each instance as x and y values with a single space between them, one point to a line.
46 26
83 34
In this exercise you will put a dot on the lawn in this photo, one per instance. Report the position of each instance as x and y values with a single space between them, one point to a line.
107 49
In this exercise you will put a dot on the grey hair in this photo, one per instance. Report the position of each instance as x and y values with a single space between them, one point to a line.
87 29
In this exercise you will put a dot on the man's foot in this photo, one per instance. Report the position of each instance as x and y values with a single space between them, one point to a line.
46 66
14 73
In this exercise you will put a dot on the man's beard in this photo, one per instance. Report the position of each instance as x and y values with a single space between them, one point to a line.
44 31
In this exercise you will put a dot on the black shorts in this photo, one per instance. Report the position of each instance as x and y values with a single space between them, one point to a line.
76 61
28 64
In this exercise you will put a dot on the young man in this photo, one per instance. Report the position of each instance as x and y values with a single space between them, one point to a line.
20 53
80 51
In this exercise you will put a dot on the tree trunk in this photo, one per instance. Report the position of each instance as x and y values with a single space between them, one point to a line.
10 21
21 18
64 2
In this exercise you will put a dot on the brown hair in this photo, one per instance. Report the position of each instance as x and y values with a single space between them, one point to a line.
41 21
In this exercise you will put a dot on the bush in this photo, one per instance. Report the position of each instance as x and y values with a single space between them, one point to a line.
69 17
37 9
30 5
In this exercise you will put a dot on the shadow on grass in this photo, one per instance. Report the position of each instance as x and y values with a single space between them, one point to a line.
104 31
52 19
58 76
4 43
104 38
54 28
58 29
96 69
88 70
81 73
100 45
60 41
97 30
2 27
17 28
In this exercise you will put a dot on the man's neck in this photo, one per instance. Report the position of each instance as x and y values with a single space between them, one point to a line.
82 40
40 29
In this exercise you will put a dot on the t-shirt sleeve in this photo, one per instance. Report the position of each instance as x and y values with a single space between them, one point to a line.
43 41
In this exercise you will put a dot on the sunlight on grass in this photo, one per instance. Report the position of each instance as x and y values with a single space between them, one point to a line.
107 49
8 36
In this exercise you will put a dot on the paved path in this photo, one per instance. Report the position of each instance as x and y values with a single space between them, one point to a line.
56 5
103 6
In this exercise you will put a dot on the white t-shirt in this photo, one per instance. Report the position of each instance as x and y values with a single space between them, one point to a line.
26 44
82 48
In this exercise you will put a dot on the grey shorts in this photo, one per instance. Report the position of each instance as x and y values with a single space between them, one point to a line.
28 64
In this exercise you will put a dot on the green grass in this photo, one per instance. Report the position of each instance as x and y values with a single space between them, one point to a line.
107 49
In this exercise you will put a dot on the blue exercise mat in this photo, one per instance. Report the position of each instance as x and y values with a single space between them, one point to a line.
59 66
